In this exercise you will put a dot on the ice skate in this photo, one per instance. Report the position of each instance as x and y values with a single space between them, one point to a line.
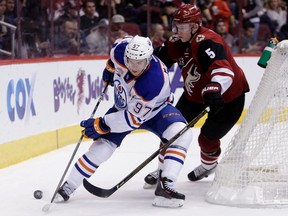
166 195
151 180
64 192
200 172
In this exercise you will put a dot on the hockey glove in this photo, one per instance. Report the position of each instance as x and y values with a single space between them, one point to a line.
94 128
108 77
211 94
108 73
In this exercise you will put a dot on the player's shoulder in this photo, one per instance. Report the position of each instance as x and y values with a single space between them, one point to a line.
175 47
205 35
155 73
150 83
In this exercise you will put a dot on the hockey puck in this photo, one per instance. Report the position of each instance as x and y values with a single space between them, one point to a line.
38 194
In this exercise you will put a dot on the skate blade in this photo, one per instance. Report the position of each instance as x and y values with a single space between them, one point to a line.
58 199
149 186
167 203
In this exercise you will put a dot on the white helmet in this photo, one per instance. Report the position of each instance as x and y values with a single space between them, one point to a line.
139 48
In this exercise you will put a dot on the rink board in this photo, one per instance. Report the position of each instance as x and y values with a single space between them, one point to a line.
44 100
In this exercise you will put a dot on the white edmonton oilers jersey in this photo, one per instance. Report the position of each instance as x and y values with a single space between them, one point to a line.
137 99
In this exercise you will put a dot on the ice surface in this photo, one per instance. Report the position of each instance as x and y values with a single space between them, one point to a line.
18 182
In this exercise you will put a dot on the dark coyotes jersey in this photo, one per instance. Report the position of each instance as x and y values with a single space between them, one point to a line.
204 57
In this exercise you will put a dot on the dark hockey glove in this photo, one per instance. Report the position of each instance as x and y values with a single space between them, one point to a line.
108 77
211 94
94 128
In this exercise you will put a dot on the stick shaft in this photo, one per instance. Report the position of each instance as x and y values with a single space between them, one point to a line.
104 193
78 144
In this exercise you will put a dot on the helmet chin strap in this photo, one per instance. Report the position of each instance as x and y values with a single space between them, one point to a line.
192 34
147 64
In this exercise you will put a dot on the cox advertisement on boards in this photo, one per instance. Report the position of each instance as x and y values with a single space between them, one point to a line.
45 96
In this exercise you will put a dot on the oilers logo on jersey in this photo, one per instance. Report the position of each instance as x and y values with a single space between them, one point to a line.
120 95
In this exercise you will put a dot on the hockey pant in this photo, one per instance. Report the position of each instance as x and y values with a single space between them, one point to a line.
102 149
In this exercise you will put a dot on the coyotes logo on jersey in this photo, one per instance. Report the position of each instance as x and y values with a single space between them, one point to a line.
192 76
199 38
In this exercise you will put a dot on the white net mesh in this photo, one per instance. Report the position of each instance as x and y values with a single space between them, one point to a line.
254 167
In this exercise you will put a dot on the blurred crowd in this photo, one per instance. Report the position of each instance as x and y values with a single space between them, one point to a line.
52 28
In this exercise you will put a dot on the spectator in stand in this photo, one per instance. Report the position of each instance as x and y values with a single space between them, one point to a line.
116 28
157 35
5 33
220 10
207 17
97 40
67 41
249 45
220 28
252 10
130 11
234 7
121 8
36 46
69 12
90 19
103 8
155 12
35 18
168 10
57 7
10 12
235 24
283 33
276 13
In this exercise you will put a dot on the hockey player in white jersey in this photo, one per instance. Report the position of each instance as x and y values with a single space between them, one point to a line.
142 101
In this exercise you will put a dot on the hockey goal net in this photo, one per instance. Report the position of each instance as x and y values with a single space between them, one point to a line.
254 168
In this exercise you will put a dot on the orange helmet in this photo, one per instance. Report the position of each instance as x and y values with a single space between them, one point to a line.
188 13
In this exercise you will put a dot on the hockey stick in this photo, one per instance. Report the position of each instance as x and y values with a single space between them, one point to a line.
104 193
47 206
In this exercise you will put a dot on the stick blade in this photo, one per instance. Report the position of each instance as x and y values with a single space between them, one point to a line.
100 192
46 207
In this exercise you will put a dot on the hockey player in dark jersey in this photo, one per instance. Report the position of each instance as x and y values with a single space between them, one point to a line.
211 77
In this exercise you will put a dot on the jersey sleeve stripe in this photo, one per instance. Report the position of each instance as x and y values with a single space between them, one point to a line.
223 71
134 120
131 121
